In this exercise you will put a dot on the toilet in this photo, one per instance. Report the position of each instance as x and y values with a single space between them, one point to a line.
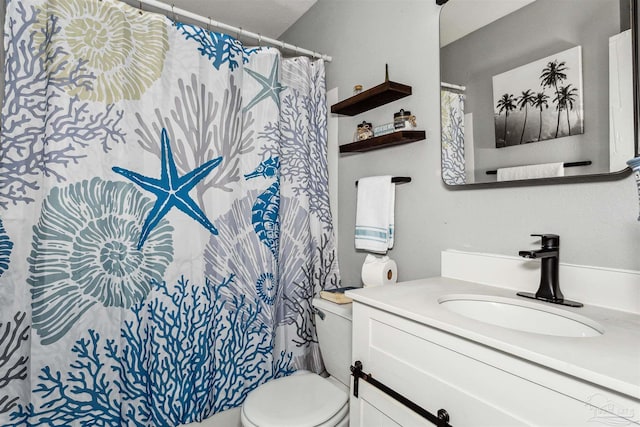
305 399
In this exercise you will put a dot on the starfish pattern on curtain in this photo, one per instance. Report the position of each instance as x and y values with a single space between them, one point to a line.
155 315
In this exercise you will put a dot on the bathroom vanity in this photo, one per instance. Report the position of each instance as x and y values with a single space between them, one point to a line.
482 374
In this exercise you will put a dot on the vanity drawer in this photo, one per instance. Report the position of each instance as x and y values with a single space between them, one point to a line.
474 384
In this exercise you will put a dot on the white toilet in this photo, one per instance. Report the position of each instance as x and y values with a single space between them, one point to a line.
305 399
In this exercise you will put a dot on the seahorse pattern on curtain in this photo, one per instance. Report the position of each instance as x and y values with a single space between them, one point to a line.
164 217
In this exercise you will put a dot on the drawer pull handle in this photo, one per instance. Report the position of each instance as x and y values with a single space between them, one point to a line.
443 415
440 420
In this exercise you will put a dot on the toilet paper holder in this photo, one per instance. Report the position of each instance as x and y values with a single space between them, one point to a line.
378 270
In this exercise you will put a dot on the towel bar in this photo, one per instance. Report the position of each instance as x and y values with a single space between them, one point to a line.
566 165
397 180
441 419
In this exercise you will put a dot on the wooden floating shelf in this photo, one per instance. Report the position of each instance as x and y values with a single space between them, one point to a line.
382 141
371 98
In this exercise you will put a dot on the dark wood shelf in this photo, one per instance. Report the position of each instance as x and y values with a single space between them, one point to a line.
376 96
388 140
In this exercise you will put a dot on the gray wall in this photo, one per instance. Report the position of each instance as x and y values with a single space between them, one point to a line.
597 221
527 35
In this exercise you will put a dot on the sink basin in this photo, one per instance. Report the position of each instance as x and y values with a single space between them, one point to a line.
522 315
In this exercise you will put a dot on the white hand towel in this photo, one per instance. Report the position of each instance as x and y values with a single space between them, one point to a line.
392 215
545 170
373 222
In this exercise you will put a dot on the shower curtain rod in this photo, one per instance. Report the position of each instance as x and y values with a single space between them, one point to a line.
229 28
452 86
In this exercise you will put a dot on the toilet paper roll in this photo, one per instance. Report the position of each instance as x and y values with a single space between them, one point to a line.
378 271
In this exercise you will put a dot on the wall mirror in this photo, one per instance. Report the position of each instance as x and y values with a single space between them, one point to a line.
537 91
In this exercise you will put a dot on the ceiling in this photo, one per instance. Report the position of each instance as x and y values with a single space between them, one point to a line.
272 18
269 18
461 17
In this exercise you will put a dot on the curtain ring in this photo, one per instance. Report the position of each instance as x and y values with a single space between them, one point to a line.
259 40
173 12
140 7
209 24
238 33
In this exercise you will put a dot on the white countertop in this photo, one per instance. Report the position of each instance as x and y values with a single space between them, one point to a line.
611 360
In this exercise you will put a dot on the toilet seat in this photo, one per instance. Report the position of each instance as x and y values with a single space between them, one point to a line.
305 400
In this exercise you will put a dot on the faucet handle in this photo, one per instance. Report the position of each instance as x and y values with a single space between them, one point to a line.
549 240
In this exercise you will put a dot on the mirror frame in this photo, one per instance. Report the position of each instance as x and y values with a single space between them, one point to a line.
634 14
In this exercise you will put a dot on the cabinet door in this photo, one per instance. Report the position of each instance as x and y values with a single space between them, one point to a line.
372 408
477 386
406 363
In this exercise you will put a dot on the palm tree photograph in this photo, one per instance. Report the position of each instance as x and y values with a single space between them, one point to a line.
539 101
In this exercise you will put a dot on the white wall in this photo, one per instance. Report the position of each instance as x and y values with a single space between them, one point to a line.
597 221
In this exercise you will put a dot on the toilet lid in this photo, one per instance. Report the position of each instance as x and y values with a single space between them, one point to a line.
294 401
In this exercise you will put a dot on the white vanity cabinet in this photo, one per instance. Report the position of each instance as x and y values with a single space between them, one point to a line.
476 384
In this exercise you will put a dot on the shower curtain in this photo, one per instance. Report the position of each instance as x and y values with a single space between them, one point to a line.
164 217
452 127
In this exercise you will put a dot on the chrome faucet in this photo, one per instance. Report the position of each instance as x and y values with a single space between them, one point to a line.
549 254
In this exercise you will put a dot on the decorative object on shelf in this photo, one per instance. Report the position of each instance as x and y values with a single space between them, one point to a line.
383 129
371 98
357 89
404 120
364 131
634 164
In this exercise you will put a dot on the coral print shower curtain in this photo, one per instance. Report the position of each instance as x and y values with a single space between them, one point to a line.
164 217
452 127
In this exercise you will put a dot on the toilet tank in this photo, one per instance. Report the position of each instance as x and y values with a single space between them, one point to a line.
334 337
